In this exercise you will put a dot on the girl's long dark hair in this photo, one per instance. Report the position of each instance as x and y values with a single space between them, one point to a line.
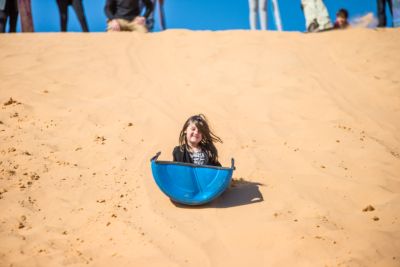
208 137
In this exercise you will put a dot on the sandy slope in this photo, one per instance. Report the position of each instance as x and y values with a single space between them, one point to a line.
312 121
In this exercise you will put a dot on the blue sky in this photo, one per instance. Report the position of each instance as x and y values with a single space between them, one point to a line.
196 14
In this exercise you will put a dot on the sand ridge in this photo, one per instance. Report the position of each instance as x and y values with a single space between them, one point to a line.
311 120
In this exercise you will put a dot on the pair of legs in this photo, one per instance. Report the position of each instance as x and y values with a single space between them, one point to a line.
126 25
316 15
78 7
260 7
10 13
382 11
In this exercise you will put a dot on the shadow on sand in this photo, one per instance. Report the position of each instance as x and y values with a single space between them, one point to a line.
239 193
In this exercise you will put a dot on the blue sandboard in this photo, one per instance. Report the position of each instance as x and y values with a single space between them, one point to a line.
190 184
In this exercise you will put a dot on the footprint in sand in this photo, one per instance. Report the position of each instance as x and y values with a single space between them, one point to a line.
100 139
395 154
368 208
344 127
2 192
11 101
14 115
11 172
22 222
35 176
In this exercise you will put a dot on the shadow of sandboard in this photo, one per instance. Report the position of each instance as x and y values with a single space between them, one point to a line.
239 193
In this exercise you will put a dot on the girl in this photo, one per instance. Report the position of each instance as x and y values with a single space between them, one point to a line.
196 143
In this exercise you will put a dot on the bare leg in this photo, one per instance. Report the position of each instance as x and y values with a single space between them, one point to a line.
78 7
277 15
63 8
253 14
25 11
262 5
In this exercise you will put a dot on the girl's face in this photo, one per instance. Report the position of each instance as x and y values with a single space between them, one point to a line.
193 135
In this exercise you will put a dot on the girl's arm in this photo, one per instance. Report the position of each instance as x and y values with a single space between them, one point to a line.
176 154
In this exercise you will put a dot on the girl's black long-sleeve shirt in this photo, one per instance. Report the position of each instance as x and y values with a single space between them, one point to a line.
182 155
126 9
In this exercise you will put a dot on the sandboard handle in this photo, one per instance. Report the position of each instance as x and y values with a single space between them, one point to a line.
156 156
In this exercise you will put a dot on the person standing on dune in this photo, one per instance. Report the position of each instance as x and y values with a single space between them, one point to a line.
78 7
8 10
124 15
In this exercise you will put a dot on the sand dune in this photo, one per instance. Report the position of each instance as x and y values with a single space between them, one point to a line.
311 119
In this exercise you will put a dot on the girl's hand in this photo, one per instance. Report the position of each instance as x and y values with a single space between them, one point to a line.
140 20
115 25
